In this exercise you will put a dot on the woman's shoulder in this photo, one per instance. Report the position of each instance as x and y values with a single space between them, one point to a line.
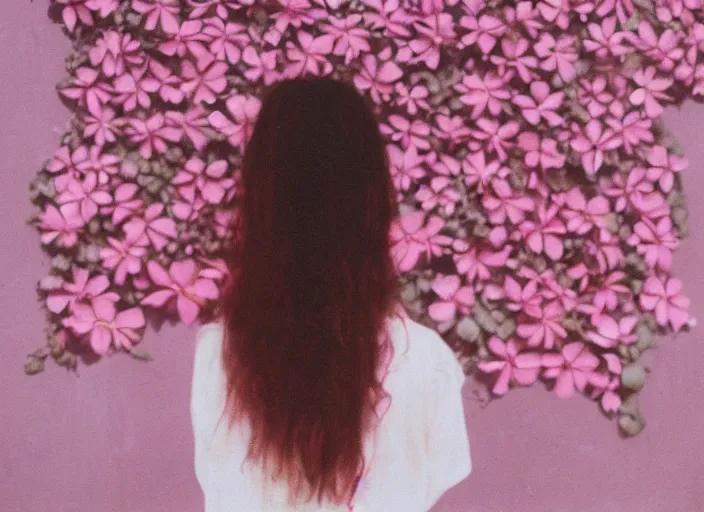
210 333
425 346
209 340
423 340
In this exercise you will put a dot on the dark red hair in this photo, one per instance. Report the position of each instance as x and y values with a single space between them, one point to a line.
313 285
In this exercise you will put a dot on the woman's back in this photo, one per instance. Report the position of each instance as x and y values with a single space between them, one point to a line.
417 451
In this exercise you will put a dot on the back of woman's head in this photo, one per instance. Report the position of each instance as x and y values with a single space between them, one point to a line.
313 284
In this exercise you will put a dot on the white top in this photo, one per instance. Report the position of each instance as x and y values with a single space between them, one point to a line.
420 448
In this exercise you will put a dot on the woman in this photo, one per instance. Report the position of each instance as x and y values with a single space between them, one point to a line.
315 391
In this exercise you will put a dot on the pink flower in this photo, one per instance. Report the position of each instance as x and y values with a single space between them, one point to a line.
106 326
408 133
540 153
479 262
664 296
546 328
164 12
484 92
651 206
393 20
440 194
124 257
555 11
432 33
592 143
152 134
453 129
330 4
215 269
377 77
525 299
87 90
698 89
73 11
407 167
188 39
102 7
550 288
103 165
516 55
605 41
682 9
116 52
244 110
595 96
261 65
59 226
124 204
611 292
134 88
184 283
606 250
350 39
541 105
413 98
546 234
607 388
83 198
664 166
624 9
226 40
480 174
223 220
686 70
610 333
665 49
204 80
102 125
504 203
483 31
165 83
525 15
294 13
201 7
436 244
558 55
655 241
650 91
410 240
574 367
208 180
83 287
513 365
627 187
67 165
189 207
151 228
192 124
454 298
582 215
497 135
633 129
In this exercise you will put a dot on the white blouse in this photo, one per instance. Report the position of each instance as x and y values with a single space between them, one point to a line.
419 450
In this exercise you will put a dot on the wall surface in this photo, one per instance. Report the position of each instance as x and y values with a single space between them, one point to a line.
117 437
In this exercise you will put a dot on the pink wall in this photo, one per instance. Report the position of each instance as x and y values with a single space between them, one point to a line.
118 438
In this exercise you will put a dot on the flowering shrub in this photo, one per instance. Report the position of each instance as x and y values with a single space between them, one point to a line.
541 197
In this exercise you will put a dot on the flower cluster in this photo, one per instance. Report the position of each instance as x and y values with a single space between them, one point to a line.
541 197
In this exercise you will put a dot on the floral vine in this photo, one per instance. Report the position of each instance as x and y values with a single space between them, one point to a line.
541 196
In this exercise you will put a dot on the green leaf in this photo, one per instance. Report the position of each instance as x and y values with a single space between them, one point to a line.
140 356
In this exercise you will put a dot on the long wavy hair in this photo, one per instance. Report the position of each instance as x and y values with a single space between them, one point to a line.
312 285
